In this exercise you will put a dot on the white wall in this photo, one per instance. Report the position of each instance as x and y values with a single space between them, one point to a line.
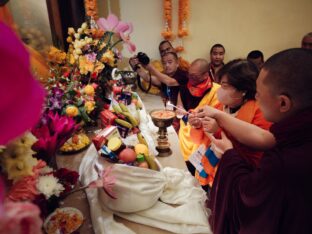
240 25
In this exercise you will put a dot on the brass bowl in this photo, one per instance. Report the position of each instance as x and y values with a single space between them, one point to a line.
162 122
129 77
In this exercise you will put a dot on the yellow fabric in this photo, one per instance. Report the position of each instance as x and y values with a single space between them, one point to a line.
154 89
39 65
187 146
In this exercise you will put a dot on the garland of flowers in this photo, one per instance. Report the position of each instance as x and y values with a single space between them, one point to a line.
184 12
167 32
91 9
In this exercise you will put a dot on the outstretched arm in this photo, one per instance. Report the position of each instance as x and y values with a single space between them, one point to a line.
169 81
246 133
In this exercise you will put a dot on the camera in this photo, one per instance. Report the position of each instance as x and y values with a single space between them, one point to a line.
142 59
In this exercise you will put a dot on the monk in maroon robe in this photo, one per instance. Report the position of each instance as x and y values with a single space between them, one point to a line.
277 196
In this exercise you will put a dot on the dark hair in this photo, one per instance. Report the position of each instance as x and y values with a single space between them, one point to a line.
164 42
216 46
172 53
242 75
290 73
255 54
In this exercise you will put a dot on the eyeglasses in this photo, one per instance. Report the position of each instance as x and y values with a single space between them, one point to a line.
196 77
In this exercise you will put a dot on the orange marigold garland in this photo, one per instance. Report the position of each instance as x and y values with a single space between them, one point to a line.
184 12
91 9
167 33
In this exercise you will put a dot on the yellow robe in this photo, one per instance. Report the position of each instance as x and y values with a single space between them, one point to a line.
187 146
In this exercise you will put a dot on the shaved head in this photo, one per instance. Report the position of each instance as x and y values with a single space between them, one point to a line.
289 73
202 64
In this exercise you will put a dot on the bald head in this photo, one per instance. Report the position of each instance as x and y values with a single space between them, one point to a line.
202 65
306 42
198 71
290 73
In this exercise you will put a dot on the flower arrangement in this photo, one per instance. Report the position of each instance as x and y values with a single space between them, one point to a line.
80 78
44 187
52 132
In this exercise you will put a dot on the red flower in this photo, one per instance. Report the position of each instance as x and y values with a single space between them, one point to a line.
66 176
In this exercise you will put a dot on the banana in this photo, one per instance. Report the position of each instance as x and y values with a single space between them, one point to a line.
123 107
124 123
132 120
151 162
141 139
117 109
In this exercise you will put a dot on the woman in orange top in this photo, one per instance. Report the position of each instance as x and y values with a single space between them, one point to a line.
236 97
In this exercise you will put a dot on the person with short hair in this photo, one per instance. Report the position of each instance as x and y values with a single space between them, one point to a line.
276 197
237 97
306 41
217 52
170 79
256 57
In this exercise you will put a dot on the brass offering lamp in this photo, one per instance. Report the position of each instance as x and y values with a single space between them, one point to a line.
127 77
163 146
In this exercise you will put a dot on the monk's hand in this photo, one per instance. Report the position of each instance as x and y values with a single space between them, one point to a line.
207 111
220 146
194 121
210 125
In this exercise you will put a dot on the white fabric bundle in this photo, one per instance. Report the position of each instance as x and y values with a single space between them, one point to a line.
146 196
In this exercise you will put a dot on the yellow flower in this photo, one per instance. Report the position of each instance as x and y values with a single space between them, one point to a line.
16 159
89 90
98 67
56 56
108 57
72 111
71 58
85 65
89 105
17 168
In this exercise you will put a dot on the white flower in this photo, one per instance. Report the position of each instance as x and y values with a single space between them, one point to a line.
46 170
48 186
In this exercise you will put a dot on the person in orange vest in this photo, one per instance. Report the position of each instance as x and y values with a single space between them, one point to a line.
237 97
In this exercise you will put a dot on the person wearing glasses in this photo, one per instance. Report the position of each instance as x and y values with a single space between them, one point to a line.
199 91
237 98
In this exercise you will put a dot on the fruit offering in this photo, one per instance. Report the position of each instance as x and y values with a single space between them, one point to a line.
76 143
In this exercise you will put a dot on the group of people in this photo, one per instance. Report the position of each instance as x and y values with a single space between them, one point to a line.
253 118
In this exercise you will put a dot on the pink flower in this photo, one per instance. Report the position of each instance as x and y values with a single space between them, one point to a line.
125 36
52 135
109 24
36 169
20 218
106 182
23 190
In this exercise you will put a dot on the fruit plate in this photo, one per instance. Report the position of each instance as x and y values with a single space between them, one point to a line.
63 220
72 146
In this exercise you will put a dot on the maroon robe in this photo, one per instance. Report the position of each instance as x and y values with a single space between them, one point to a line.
276 197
